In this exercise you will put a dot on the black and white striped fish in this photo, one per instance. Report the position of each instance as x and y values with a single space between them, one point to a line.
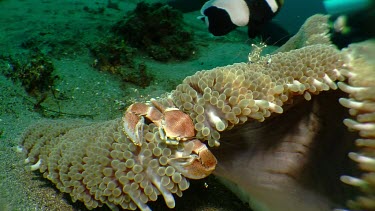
223 16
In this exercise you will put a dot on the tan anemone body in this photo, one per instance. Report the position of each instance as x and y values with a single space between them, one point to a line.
96 163
223 97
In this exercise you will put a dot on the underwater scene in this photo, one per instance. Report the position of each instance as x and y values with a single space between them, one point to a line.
191 105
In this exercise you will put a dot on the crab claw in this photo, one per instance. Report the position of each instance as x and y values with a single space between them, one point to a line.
132 125
133 120
199 164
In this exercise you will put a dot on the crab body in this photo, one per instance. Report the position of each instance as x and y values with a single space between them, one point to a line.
174 127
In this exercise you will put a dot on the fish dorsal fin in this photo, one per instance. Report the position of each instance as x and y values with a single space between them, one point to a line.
237 9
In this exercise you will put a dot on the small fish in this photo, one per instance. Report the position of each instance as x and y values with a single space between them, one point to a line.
352 20
223 16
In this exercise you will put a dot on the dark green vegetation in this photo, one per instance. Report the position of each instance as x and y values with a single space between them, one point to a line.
110 54
155 29
115 56
33 70
158 30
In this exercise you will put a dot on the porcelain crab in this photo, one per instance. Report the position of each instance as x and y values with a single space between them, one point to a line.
174 125
195 161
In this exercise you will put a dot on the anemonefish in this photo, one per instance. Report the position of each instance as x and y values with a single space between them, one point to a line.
223 16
